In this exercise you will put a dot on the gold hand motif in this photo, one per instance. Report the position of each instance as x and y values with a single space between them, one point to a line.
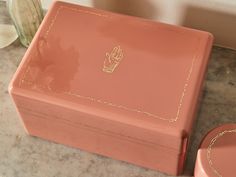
112 59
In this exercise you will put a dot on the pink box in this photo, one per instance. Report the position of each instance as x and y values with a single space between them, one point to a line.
111 84
217 153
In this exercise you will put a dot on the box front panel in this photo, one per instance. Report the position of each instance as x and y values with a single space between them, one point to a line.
50 124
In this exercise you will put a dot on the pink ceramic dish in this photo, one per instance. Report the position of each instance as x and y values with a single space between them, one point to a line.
112 84
217 154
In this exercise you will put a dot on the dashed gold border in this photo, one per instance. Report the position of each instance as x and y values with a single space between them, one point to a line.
107 102
221 134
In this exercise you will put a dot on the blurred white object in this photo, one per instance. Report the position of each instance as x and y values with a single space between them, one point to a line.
7 35
26 16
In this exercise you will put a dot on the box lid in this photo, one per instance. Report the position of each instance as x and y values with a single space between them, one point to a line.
125 69
217 153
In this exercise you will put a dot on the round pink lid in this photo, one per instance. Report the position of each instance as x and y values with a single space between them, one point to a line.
216 156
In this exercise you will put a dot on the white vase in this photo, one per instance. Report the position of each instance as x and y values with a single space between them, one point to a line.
26 16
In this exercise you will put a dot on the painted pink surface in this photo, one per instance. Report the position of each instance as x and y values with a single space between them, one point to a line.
217 153
142 113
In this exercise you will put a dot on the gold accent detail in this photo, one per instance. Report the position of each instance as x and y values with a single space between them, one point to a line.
76 10
112 59
209 148
171 120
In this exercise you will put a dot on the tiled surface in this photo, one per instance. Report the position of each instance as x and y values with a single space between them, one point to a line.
25 156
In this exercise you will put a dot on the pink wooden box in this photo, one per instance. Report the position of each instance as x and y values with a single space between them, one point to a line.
217 153
111 84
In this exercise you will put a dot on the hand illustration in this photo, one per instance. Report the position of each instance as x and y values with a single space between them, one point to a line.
112 59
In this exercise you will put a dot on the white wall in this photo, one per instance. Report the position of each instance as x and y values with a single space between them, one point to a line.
216 16
46 3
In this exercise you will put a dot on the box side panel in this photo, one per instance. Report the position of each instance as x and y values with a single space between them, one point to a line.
198 87
81 135
198 92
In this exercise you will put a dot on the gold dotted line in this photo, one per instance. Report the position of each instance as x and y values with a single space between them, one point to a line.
110 103
221 134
